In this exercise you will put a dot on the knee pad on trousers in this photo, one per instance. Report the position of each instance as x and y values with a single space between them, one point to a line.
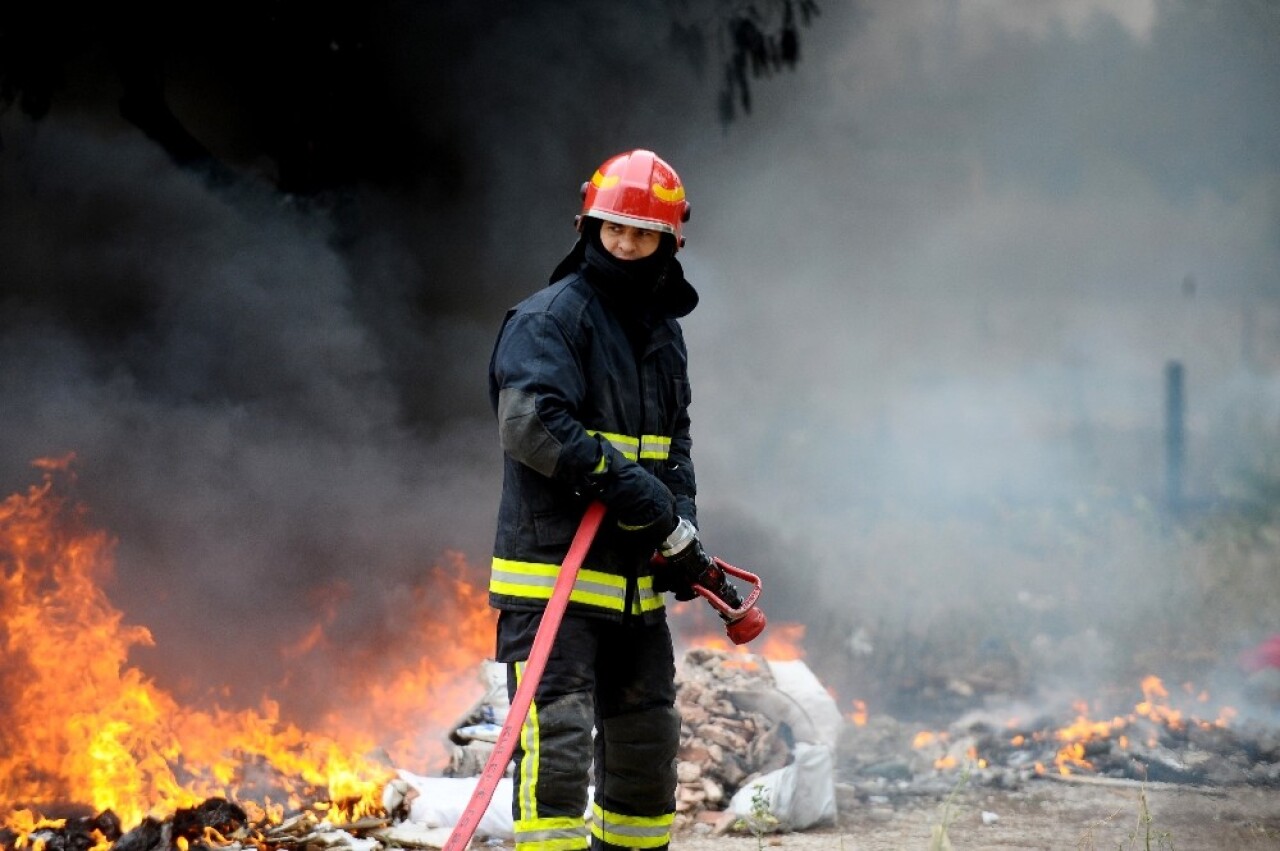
556 758
640 748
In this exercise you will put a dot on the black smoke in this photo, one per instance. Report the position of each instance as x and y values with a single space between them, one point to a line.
252 258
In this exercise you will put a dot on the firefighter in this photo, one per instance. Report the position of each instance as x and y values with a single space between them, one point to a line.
590 385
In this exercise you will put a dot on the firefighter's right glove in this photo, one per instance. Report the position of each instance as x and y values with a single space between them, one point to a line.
668 578
686 561
638 500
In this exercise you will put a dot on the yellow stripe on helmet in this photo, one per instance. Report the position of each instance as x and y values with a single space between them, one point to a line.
671 196
599 181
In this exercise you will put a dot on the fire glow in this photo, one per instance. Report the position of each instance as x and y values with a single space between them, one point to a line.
781 642
81 727
1149 715
1153 727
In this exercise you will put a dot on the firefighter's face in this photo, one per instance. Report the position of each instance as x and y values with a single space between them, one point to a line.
629 243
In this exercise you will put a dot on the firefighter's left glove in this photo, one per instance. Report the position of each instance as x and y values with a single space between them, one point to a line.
686 562
638 500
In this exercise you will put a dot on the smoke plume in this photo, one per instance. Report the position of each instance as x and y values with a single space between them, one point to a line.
944 262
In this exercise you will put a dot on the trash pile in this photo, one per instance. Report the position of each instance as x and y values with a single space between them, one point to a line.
755 735
762 748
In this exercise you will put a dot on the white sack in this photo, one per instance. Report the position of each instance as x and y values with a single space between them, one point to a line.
441 800
801 795
410 835
796 681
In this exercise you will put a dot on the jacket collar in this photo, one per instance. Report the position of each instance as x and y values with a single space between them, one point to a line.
674 299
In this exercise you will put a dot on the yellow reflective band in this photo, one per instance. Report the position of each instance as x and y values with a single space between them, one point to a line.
655 446
626 444
563 843
648 446
631 831
536 581
557 833
647 600
559 843
530 741
669 195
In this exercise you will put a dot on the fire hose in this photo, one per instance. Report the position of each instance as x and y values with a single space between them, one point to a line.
742 619
496 765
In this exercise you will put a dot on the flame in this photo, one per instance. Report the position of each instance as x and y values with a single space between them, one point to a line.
781 642
927 737
1155 704
1076 735
452 628
1153 714
859 714
79 725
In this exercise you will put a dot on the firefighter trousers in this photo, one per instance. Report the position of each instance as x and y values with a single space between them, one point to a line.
613 680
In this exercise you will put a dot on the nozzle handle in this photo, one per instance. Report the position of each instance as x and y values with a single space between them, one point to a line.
727 611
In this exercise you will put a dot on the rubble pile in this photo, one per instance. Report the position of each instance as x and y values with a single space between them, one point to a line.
724 742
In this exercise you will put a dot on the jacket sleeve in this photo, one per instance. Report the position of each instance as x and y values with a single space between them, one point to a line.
538 387
678 473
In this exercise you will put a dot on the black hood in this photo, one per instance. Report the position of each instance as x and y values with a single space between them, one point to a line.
653 286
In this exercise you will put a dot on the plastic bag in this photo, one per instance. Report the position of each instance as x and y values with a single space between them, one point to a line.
801 795
441 800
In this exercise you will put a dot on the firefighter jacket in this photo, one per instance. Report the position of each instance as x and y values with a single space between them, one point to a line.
591 392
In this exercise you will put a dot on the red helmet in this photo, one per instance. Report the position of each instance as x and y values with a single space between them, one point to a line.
637 188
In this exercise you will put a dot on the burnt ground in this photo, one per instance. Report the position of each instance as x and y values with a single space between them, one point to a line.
1042 814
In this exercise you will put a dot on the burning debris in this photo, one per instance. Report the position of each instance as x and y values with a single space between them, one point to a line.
132 769
93 734
1156 742
91 730
69 834
215 823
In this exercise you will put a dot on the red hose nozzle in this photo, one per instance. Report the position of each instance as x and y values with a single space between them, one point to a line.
747 627
743 621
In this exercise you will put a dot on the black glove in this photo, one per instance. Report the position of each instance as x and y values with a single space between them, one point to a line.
637 499
668 578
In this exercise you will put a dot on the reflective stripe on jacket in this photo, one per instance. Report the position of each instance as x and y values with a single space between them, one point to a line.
566 376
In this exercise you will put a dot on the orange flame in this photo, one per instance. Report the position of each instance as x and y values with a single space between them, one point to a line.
859 714
927 737
781 642
79 725
1153 709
